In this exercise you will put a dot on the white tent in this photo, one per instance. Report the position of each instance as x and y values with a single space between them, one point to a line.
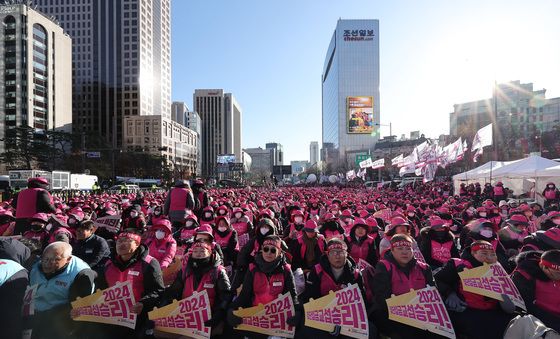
550 172
482 171
527 168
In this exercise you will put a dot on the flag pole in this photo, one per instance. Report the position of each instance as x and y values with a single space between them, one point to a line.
495 149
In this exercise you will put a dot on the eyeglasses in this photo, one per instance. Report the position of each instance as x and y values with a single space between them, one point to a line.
52 260
337 253
267 249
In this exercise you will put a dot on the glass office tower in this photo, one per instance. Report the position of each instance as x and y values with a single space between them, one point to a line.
350 91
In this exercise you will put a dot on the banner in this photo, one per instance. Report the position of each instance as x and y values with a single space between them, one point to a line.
110 306
269 319
384 214
398 161
422 309
491 281
378 164
366 163
110 222
184 317
481 139
345 308
360 115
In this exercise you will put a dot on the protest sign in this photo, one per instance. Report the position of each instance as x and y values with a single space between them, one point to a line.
423 309
344 307
110 306
170 272
184 317
269 319
28 308
384 214
110 222
491 281
363 265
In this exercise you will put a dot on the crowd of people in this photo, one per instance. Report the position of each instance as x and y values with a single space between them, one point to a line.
247 246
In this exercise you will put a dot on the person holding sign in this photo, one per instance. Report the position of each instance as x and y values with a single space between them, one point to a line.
397 274
267 278
538 281
131 262
203 271
474 315
60 278
335 271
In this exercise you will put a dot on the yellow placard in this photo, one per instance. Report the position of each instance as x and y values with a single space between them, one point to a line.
422 309
269 319
344 307
110 306
491 281
184 317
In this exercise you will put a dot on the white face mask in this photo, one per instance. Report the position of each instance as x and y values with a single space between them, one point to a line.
556 221
133 214
49 227
486 233
207 215
264 230
189 223
222 212
222 228
160 235
410 214
298 220
482 215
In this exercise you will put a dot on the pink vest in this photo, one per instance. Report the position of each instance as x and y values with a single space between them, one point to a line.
134 274
400 283
441 252
240 227
550 194
224 241
498 191
178 199
547 296
361 251
27 203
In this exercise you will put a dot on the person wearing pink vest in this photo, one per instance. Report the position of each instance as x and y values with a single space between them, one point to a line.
437 243
132 262
514 232
161 244
179 203
551 195
203 272
360 244
267 278
472 314
397 274
537 278
34 199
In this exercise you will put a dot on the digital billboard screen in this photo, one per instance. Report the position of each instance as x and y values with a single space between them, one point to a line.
360 115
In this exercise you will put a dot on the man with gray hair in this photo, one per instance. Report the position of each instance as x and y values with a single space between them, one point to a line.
60 278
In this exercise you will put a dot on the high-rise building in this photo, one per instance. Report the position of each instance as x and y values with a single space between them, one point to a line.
520 117
179 112
36 86
121 60
350 90
220 116
277 153
314 153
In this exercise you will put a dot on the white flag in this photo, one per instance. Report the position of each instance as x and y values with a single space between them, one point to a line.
350 175
378 163
397 160
362 173
482 139
366 163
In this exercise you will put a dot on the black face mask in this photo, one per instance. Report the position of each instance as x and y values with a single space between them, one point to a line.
201 262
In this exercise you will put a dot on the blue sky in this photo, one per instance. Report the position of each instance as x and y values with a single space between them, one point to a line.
270 54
